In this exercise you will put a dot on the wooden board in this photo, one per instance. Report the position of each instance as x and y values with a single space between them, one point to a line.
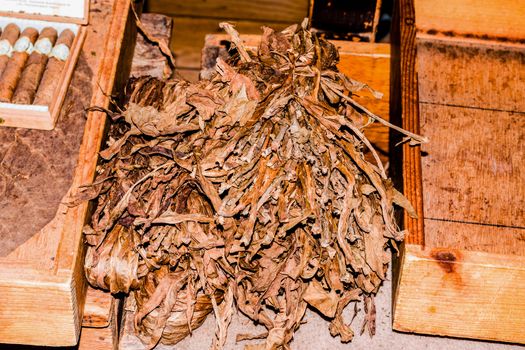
101 324
42 288
461 272
484 19
188 39
288 11
462 294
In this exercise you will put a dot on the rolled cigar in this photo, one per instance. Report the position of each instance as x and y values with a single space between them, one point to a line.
35 66
11 75
7 40
55 64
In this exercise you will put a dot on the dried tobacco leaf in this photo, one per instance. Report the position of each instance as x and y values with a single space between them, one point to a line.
247 191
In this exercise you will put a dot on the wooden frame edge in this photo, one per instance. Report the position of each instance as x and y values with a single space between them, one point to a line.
460 293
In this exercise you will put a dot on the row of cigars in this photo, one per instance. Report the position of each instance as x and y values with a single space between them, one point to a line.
30 62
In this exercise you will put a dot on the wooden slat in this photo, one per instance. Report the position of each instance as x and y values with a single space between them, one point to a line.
474 175
148 59
189 34
481 18
405 111
98 308
461 73
461 293
42 287
288 11
475 237
370 63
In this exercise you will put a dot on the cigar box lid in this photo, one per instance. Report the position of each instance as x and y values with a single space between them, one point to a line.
74 11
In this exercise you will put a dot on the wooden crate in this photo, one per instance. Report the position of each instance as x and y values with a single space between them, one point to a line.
42 287
462 270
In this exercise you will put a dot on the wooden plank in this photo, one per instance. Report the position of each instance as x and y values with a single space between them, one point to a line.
474 175
370 63
42 287
404 111
288 11
101 330
461 293
98 339
486 19
148 59
98 308
484 75
475 237
189 34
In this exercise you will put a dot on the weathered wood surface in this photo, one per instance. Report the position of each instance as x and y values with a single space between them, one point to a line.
464 274
98 308
148 59
494 19
462 294
42 288
404 111
289 11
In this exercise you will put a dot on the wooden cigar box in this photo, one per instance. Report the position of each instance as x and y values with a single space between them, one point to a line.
58 14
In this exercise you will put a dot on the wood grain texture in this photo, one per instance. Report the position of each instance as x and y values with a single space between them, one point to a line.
42 287
148 59
289 11
98 308
482 18
460 293
188 37
475 237
474 175
465 277
483 75
404 111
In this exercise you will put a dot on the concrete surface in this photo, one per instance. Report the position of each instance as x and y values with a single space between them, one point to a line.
314 334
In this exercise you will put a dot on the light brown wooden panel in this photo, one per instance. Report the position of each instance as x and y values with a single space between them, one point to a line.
483 18
485 75
189 34
98 308
404 110
461 293
473 166
475 237
260 10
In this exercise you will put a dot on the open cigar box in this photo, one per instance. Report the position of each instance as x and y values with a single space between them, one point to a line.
61 15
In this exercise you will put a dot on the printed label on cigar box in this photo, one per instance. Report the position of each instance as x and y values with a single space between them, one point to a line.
62 8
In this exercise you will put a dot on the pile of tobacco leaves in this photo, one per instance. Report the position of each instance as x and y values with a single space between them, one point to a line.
249 191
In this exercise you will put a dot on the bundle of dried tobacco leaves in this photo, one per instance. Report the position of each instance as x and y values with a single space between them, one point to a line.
248 191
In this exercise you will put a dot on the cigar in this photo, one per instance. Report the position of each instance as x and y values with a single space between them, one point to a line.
35 66
7 40
9 79
54 67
